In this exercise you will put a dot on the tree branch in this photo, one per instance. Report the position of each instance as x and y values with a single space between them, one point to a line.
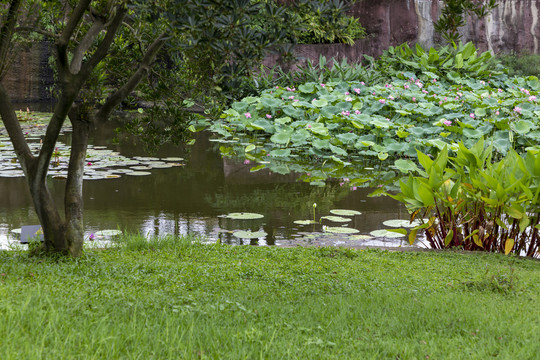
13 127
48 34
117 97
84 45
65 36
103 47
6 33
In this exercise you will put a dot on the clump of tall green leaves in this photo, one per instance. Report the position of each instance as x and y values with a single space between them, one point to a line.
453 16
470 202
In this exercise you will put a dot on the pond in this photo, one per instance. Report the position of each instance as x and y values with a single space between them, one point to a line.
192 192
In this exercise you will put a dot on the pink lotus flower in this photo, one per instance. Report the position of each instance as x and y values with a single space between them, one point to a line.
357 90
268 116
346 93
357 112
406 86
382 101
414 99
247 115
499 90
447 122
346 113
323 85
517 109
348 99
532 98
246 162
472 115
362 83
497 112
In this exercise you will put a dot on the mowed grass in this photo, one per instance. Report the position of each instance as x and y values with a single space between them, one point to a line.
170 299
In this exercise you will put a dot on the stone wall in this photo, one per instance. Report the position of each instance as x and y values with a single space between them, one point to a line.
512 27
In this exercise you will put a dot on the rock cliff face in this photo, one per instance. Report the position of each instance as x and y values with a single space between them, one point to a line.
512 27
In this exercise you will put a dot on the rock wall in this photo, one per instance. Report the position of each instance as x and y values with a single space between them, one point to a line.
512 27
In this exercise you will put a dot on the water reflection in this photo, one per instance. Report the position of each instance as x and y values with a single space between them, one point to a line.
190 199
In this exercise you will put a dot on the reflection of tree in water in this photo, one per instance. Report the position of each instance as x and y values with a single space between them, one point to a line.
295 199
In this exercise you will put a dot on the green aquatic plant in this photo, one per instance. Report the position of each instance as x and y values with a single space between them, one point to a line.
474 203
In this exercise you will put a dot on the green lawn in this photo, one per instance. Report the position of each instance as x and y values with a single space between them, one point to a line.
173 300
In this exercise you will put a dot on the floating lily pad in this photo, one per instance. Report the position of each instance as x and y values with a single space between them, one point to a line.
343 212
108 233
401 223
336 218
141 167
305 222
244 216
249 234
341 230
360 237
139 173
385 233
173 159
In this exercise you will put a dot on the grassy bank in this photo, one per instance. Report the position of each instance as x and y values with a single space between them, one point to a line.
180 301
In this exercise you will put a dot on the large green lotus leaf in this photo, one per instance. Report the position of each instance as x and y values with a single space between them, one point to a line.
292 112
321 143
385 233
249 234
381 124
347 138
480 112
344 105
282 137
307 88
319 102
318 128
523 126
271 102
405 165
330 111
240 107
244 216
282 169
280 152
473 133
345 212
337 150
300 136
340 230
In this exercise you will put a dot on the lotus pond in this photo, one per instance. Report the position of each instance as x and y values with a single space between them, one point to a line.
194 190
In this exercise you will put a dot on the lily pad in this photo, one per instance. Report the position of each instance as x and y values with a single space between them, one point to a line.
385 233
305 222
336 218
139 173
341 230
108 233
244 216
344 212
173 159
401 223
249 234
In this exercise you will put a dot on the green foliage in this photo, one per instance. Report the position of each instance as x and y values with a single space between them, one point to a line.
522 64
453 16
474 203
339 128
233 302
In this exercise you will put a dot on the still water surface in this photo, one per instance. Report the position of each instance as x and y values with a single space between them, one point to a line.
191 199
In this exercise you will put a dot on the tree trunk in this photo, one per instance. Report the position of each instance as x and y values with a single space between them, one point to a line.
80 121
